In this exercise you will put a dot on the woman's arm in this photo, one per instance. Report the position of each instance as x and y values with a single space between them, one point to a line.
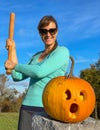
17 76
50 65
12 57
11 44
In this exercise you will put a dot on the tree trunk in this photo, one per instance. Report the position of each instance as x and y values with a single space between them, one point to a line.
96 113
0 109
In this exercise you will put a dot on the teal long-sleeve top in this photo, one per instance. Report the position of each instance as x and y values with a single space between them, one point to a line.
40 73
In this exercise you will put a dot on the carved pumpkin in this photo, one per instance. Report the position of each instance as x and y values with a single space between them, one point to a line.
68 99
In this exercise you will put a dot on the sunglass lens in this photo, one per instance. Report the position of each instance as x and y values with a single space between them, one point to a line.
43 31
52 31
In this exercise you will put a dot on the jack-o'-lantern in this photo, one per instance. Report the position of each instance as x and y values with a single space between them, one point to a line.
68 98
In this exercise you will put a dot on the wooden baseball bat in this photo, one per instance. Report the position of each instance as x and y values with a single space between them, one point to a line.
11 35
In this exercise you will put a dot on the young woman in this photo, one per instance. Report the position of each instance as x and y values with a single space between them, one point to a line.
42 67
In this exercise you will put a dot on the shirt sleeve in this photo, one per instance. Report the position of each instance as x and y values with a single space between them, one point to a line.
17 76
53 62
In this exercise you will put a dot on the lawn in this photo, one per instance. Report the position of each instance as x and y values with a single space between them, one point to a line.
8 121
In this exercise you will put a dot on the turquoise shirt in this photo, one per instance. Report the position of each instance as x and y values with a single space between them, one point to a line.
40 73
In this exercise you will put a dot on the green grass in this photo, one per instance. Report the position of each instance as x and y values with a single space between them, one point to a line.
8 121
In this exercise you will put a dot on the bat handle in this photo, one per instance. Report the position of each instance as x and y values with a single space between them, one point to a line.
8 71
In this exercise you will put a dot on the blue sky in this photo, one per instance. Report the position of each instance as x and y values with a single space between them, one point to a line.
78 22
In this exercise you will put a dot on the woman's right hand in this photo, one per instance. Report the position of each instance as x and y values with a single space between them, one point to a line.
10 43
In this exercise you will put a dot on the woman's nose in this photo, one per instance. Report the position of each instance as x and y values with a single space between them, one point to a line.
48 34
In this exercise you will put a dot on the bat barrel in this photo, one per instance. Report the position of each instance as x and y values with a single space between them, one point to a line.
11 26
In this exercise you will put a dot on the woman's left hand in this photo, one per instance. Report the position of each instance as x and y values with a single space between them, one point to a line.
9 65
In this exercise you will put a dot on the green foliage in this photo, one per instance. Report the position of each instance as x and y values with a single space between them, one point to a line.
92 75
98 65
8 121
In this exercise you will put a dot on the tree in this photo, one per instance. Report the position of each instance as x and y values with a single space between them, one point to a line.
6 94
97 64
92 75
3 90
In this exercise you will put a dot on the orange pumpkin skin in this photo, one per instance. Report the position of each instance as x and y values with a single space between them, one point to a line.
68 99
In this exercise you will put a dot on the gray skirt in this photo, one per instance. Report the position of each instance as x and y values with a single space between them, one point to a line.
26 115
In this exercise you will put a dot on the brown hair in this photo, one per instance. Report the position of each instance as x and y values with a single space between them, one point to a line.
45 21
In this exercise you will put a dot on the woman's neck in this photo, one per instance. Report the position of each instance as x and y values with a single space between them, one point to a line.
48 49
45 52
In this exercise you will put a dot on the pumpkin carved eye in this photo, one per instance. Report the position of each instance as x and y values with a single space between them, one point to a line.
68 94
82 95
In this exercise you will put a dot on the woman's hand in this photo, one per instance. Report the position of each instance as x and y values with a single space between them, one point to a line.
9 65
10 43
10 46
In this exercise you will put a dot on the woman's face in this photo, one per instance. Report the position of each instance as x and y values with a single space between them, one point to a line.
49 34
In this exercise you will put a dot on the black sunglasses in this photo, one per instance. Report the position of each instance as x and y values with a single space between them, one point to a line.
52 31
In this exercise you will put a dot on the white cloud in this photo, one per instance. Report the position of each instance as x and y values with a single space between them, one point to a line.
21 32
81 21
80 59
19 86
2 69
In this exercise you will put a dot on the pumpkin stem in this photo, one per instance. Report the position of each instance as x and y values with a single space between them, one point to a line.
72 67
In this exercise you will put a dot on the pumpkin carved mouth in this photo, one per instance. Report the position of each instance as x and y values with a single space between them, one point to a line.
73 108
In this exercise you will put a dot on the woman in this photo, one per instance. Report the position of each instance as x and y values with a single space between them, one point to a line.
42 67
